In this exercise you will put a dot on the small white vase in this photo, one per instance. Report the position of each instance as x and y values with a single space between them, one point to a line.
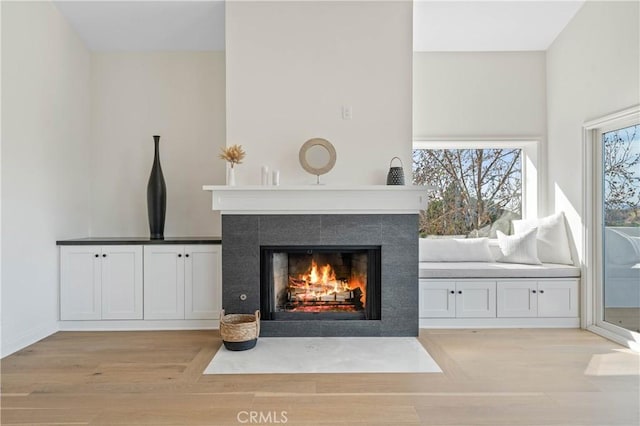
231 176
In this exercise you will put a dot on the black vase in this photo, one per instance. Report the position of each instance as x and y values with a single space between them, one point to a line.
156 196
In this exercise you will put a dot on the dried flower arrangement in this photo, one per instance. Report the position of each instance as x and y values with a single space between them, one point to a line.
234 154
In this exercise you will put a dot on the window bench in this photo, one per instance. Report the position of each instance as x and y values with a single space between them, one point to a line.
500 295
495 270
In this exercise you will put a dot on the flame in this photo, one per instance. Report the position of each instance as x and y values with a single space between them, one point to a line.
312 277
321 284
325 277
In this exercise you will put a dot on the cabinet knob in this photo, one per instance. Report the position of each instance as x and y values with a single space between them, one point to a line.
533 291
97 255
541 291
453 292
186 255
104 255
179 255
459 291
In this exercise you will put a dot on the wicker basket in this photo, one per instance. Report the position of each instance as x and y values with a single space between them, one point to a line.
239 331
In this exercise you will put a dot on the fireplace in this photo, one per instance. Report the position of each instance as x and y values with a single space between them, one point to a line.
384 217
320 282
393 237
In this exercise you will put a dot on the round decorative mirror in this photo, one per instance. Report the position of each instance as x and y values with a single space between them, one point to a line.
317 156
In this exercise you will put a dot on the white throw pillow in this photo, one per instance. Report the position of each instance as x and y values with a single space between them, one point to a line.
553 242
519 248
455 250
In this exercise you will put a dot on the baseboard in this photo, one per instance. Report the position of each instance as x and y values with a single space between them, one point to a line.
138 325
499 322
28 338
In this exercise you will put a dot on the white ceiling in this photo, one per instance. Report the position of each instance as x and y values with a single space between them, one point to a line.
147 25
477 26
199 25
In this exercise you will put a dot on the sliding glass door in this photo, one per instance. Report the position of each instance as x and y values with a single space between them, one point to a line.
618 219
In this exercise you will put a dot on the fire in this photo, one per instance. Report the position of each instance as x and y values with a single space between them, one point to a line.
324 276
321 290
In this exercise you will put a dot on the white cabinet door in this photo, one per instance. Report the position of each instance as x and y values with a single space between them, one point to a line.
121 282
558 298
203 277
80 270
517 299
163 282
437 299
475 299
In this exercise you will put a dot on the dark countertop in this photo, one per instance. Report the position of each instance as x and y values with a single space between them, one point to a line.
105 241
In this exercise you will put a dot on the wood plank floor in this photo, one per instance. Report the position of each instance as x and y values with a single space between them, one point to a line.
628 318
491 377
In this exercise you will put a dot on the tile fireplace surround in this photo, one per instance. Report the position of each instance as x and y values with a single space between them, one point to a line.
382 216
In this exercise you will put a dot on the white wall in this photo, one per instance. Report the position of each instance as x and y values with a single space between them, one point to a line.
179 96
593 69
479 94
485 95
45 163
291 66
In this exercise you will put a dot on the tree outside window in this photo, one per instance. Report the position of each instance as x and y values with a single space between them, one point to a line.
621 161
477 191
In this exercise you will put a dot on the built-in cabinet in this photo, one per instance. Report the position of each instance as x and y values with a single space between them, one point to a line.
140 282
164 282
101 282
463 299
517 299
203 282
182 282
496 299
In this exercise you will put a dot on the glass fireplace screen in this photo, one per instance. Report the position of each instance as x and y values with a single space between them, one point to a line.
321 280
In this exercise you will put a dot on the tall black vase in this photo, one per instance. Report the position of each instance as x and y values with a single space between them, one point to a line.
156 196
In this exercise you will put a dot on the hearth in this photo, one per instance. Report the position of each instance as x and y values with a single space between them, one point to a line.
320 282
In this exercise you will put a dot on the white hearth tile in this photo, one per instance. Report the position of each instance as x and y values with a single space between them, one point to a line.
277 355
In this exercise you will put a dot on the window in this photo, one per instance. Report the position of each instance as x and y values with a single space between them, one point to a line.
478 187
621 226
611 234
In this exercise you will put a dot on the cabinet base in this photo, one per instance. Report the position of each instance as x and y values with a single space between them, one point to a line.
499 322
138 325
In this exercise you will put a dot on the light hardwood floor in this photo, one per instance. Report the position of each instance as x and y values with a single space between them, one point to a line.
491 377
628 318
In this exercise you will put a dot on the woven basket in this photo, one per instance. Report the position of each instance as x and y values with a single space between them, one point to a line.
239 331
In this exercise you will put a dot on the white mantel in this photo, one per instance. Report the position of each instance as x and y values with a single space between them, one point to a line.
318 199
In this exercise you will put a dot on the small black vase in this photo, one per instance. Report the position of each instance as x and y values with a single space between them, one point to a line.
156 196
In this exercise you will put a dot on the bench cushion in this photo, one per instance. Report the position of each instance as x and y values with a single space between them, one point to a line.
495 270
455 250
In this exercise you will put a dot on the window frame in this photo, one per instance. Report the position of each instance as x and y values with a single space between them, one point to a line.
531 173
592 238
